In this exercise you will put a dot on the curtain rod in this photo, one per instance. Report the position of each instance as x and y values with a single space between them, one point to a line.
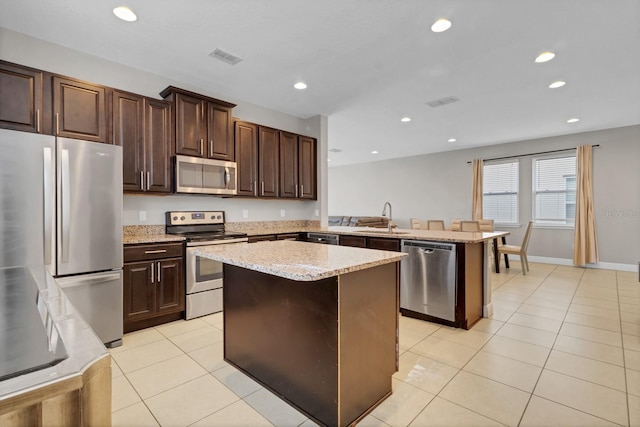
532 154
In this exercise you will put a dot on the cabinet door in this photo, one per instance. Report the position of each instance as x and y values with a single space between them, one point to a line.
354 241
79 110
307 167
288 165
157 143
138 291
190 126
383 244
262 238
127 133
219 138
170 290
21 106
246 157
268 150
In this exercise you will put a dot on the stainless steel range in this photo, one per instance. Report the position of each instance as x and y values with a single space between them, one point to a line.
204 276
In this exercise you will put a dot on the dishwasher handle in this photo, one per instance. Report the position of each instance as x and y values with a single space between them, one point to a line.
426 251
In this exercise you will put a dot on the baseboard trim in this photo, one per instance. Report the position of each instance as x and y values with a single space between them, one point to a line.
565 261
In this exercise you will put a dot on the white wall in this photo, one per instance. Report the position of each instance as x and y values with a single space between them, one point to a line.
438 186
28 51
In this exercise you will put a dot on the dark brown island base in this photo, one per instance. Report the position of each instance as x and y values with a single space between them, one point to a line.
315 324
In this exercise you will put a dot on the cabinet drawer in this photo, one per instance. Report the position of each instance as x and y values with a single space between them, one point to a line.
354 241
383 244
154 251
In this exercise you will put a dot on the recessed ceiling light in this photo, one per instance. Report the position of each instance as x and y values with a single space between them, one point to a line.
557 84
573 120
545 56
300 85
451 140
405 119
328 160
374 152
441 25
124 13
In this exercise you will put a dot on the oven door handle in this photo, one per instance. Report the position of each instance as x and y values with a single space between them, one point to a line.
217 242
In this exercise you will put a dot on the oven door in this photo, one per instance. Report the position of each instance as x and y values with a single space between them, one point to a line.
202 274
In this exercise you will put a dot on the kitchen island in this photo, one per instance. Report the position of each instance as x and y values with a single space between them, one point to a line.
315 324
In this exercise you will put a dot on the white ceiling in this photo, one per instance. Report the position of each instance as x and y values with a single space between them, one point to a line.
368 63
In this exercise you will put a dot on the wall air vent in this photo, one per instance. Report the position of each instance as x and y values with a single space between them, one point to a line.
225 57
443 101
335 150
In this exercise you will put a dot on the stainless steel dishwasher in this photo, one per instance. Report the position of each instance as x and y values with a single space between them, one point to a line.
428 278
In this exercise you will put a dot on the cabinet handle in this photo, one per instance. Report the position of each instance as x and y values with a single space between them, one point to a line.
152 272
38 121
262 188
157 251
148 179
301 190
296 190
57 124
142 180
158 265
210 147
255 188
202 146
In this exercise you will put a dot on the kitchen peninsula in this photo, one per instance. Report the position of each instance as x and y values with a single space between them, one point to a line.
315 324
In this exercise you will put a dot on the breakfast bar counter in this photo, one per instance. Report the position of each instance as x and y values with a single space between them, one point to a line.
315 324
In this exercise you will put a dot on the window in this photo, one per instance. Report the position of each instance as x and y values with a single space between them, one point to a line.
500 192
554 190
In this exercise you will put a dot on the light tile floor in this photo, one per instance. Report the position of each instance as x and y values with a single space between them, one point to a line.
562 349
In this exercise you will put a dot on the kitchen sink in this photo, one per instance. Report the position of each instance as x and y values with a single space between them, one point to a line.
381 232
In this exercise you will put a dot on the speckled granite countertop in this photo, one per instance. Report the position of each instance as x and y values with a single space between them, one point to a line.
430 235
299 261
151 238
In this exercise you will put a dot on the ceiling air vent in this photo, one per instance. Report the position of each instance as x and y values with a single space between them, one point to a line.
225 57
443 101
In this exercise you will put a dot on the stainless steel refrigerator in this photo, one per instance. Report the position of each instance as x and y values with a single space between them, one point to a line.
61 206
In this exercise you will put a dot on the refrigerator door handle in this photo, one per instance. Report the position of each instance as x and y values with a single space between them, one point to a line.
47 201
65 205
70 282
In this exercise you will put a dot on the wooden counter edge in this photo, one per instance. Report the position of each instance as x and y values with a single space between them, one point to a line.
83 399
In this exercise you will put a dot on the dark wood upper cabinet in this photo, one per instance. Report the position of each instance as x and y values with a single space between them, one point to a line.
158 140
79 110
219 133
307 167
268 153
127 132
22 101
298 173
142 127
203 125
246 142
288 165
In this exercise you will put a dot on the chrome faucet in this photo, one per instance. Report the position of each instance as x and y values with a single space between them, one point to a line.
384 213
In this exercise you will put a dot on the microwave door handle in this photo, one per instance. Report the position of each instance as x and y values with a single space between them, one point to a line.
227 178
65 205
47 200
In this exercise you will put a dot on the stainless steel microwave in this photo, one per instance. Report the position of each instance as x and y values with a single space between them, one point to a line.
195 175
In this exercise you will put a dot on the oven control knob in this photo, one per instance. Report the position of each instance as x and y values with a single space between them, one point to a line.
182 218
175 218
213 217
219 217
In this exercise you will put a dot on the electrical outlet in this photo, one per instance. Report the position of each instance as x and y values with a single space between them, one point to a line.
245 213
142 215
282 213
316 212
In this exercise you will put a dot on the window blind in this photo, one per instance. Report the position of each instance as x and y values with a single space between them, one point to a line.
500 192
554 190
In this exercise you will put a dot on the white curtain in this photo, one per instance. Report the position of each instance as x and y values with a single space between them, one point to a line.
585 239
476 209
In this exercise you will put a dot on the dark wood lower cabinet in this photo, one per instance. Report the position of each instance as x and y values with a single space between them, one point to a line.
370 242
154 289
262 238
